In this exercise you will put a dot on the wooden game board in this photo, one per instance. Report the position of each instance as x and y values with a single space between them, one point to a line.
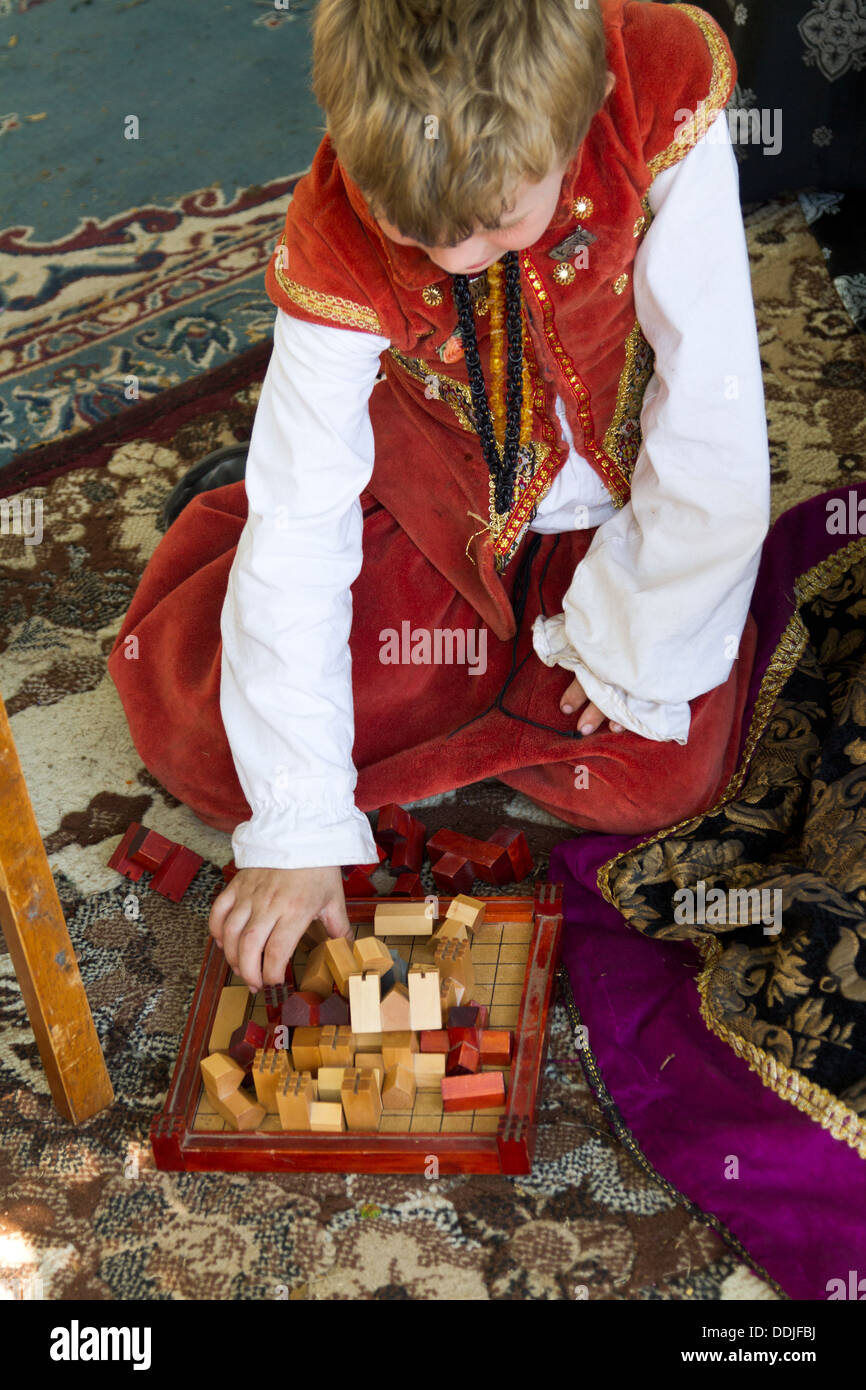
515 954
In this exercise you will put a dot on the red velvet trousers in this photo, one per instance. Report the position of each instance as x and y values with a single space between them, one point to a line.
408 739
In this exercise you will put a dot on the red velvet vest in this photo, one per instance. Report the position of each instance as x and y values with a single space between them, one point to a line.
333 265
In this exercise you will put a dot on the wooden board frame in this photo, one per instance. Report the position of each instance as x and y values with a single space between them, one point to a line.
509 1149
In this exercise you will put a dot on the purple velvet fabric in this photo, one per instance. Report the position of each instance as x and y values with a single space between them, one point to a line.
798 1204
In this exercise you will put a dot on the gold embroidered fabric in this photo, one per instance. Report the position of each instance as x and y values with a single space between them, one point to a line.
326 306
715 101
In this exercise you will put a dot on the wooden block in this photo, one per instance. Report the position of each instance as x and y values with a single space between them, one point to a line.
240 1110
270 1070
495 1047
463 1057
468 1016
334 1009
120 860
300 1009
372 956
221 1075
398 1092
435 1040
317 978
473 1092
245 1041
452 873
364 1010
336 1046
429 1069
394 1010
316 932
369 1042
450 994
408 853
326 1117
150 849
371 1061
330 1079
450 930
305 1049
454 959
459 1035
230 1013
398 1049
275 997
392 825
362 1102
490 862
516 843
469 911
403 919
176 872
425 1009
408 885
295 1099
341 963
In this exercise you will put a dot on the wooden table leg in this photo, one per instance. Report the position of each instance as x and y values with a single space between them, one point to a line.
38 941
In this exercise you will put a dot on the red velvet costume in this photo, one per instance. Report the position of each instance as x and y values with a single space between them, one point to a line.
435 552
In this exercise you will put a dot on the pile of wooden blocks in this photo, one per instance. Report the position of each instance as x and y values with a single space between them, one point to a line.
376 1039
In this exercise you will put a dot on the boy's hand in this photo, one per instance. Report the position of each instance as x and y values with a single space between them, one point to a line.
589 718
261 915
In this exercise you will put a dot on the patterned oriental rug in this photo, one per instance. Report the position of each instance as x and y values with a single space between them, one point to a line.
620 1214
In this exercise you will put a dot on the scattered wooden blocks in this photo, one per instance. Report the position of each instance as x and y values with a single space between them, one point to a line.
408 885
270 1071
176 873
429 1069
425 1009
463 1057
305 1049
334 1009
453 873
398 1049
468 1016
150 849
246 1040
120 859
371 1061
362 1102
407 854
450 994
174 866
435 1040
239 1110
450 930
495 1047
341 962
485 860
221 1075
326 1117
518 851
398 1092
275 998
364 1003
372 956
300 1009
330 1079
454 960
295 1100
336 1046
479 1091
469 911
394 1010
403 919
230 1013
317 978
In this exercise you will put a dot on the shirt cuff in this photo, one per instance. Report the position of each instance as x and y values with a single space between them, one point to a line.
273 840
649 718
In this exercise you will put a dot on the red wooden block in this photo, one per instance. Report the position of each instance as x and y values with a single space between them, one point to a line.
434 1040
120 858
408 854
229 870
334 1009
408 885
149 848
453 874
301 1009
480 1091
392 824
176 873
518 851
468 1016
495 1047
356 884
275 998
245 1041
463 1057
490 862
461 1035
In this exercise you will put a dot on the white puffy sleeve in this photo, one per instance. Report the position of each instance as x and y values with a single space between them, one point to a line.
657 606
286 678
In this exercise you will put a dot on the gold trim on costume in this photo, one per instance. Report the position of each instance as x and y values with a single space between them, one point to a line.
696 126
815 1100
326 306
621 441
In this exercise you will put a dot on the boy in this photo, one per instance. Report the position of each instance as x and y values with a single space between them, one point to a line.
566 460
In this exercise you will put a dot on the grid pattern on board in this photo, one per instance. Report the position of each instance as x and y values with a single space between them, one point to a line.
500 951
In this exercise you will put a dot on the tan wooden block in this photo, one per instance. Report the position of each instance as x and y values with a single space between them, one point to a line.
362 1102
399 1049
221 1075
371 1061
398 1092
330 1079
429 1069
326 1117
454 959
371 955
450 994
230 1014
364 1002
450 930
305 1049
369 1042
403 919
270 1069
316 975
341 963
336 1046
315 934
394 1010
239 1110
425 1008
467 910
295 1099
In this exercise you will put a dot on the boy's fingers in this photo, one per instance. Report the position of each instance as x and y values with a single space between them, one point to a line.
280 948
255 939
220 907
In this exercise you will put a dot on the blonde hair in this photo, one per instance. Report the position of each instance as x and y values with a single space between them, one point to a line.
438 109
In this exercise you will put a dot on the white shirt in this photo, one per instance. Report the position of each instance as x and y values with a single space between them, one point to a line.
657 606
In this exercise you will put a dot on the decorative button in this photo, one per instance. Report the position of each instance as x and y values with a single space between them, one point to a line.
482 306
620 284
639 226
432 295
582 206
564 273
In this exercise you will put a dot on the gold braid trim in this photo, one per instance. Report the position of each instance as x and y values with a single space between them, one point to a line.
326 306
816 1101
699 123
